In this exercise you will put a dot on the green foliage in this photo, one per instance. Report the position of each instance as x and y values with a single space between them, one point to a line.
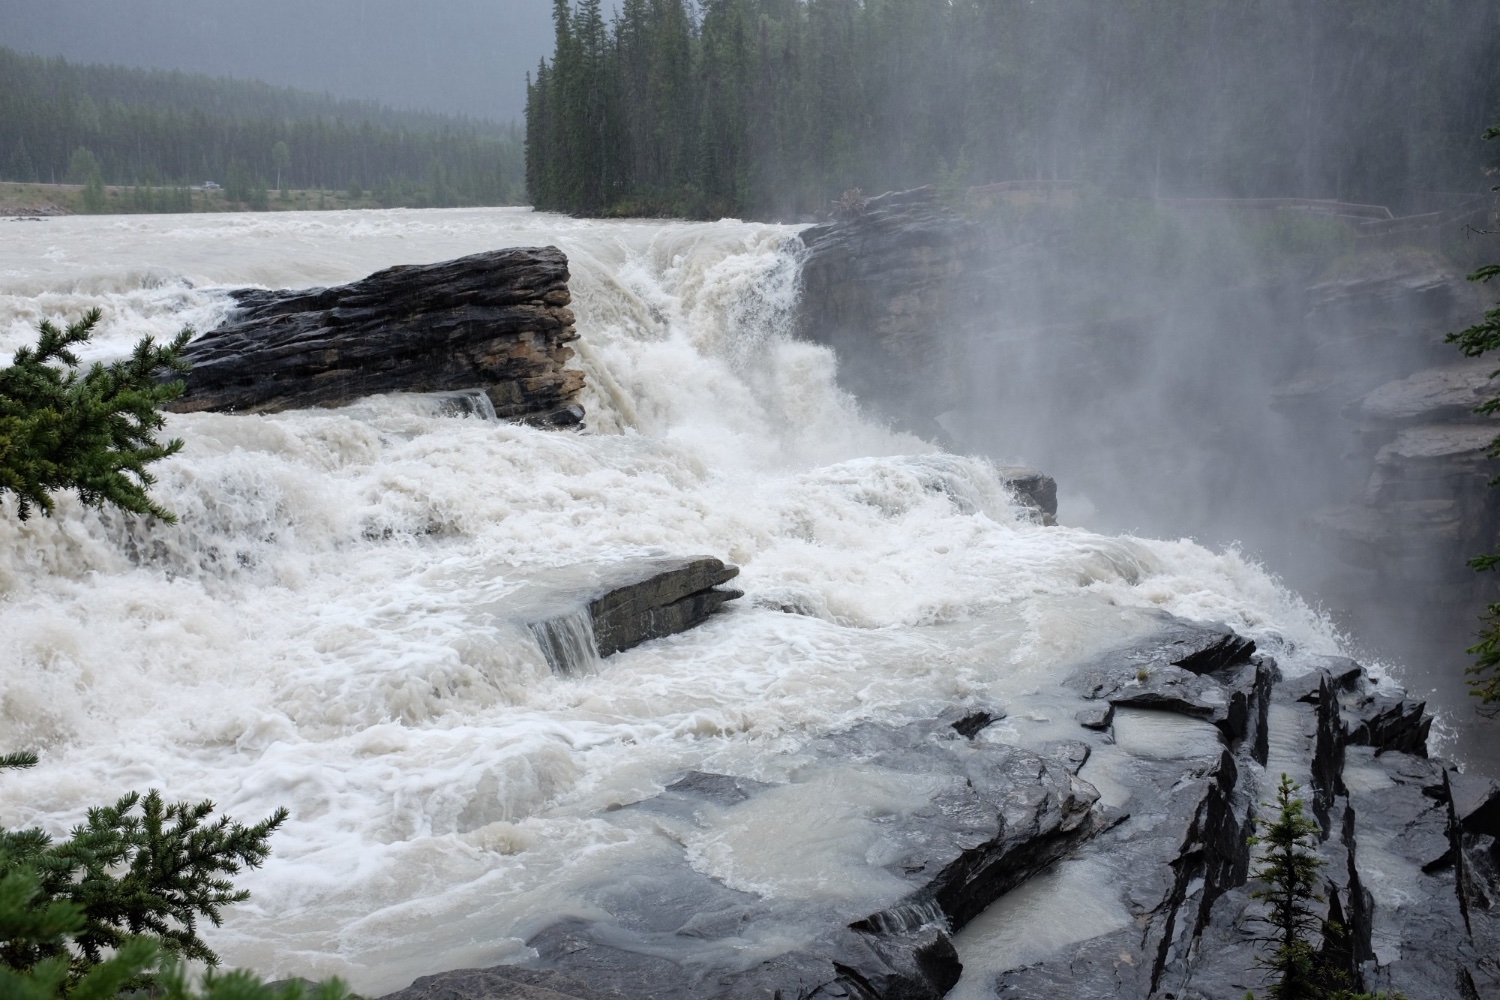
178 129
771 108
139 868
114 907
82 165
93 195
93 432
83 168
1474 342
1289 874
281 157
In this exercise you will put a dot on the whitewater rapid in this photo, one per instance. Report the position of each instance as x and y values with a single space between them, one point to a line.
324 629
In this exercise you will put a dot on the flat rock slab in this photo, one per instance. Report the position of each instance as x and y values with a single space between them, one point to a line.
1449 392
608 608
497 321
1199 669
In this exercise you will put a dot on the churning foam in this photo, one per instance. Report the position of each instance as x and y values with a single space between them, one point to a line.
319 630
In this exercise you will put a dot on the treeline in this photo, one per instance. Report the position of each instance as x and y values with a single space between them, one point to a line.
149 128
772 108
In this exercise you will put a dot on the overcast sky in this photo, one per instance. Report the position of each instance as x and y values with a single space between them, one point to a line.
463 56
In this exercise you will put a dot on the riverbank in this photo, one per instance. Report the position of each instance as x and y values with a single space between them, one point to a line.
19 200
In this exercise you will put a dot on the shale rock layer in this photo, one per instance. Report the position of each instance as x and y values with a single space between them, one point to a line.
497 321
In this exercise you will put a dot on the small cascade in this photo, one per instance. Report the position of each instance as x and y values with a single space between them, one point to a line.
473 403
903 918
567 642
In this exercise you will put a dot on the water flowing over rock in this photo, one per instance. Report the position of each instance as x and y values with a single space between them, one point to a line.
986 816
1305 407
497 321
626 604
1412 874
879 289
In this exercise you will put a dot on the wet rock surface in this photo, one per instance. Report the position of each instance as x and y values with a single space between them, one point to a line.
497 321
879 287
989 816
1409 885
625 604
1033 489
1412 874
671 596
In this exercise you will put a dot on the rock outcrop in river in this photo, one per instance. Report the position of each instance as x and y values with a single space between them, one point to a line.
625 604
497 321
1188 728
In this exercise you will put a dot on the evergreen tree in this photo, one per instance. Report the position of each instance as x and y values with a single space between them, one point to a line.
94 195
21 167
114 907
773 107
93 432
1289 876
82 165
1289 873
281 156
1474 342
173 129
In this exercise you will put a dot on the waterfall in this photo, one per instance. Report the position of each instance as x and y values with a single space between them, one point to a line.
327 626
567 642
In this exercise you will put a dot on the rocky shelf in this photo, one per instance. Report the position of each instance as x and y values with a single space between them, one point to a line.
624 604
497 321
1412 874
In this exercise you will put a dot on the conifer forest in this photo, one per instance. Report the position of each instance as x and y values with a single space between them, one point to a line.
773 108
172 129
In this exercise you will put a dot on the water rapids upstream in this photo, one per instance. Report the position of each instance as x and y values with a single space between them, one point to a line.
325 629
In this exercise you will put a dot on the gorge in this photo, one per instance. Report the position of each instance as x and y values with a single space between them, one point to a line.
850 781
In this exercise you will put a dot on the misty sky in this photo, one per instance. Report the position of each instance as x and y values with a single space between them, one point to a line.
463 56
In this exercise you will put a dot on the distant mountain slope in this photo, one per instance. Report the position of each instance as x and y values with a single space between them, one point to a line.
157 127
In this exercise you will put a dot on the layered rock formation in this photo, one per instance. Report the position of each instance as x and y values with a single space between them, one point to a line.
497 321
625 604
1412 874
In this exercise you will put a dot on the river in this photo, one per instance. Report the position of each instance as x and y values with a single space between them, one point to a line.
324 629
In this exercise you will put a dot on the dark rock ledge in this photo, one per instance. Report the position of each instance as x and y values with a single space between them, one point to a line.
497 321
625 604
1413 870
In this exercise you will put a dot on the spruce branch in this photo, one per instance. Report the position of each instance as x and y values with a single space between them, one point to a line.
93 432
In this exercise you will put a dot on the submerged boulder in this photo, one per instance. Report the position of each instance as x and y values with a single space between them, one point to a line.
497 321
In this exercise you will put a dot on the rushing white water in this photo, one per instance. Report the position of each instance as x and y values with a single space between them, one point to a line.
326 627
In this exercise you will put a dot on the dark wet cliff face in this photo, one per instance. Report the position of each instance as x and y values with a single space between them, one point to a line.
1269 377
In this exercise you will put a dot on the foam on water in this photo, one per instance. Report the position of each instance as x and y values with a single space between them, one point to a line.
325 627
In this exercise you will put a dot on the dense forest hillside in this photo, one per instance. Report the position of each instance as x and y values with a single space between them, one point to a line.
771 108
143 127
